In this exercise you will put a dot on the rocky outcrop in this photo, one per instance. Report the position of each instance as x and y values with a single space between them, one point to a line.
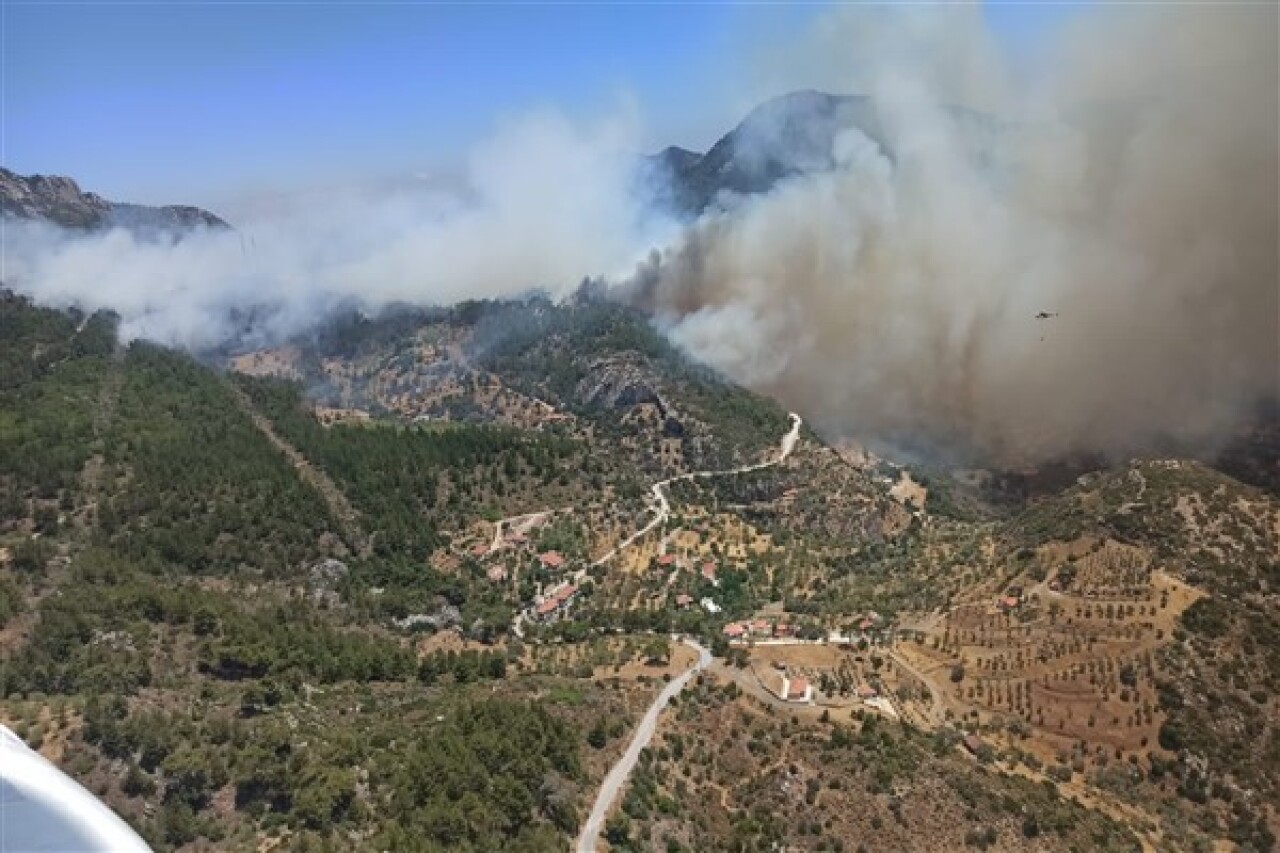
51 198
60 201
620 382
794 134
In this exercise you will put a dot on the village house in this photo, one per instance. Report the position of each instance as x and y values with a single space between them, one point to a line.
496 574
683 601
782 629
667 560
761 628
555 604
866 691
735 630
551 559
709 573
479 550
710 606
797 689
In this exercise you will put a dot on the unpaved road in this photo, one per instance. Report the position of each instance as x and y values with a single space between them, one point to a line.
662 506
618 775
937 713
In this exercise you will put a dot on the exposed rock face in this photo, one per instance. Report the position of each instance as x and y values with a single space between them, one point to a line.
52 198
60 201
169 217
446 617
322 578
621 382
327 573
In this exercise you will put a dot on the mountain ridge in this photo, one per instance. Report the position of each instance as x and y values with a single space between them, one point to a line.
60 200
786 136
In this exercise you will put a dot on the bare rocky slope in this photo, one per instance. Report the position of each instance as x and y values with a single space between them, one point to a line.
60 201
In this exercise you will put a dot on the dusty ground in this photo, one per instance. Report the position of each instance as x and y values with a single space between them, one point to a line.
285 362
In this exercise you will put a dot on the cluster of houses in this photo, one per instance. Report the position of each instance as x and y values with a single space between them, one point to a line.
759 629
684 601
671 561
497 573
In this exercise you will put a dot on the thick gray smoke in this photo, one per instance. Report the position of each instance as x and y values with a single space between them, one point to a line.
1130 189
546 202
1133 193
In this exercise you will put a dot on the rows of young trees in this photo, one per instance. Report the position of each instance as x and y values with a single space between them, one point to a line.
205 491
409 482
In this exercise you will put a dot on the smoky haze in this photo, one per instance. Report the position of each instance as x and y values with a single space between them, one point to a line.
544 202
1132 193
1127 184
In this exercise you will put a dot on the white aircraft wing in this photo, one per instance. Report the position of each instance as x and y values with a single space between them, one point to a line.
42 810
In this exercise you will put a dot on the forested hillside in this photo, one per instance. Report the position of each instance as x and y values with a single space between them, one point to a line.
166 637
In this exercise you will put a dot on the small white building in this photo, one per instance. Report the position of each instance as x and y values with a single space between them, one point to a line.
710 606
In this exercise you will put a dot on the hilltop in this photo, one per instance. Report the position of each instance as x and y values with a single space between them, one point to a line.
60 201
798 133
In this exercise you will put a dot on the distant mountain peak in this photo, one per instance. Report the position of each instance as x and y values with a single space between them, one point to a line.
60 201
786 136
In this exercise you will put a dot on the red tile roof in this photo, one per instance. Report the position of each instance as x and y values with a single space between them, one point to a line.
798 688
667 560
552 559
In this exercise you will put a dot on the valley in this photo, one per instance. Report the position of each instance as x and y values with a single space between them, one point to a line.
346 591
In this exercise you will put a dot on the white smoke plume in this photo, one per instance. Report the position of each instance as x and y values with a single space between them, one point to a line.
546 202
1132 192
1130 188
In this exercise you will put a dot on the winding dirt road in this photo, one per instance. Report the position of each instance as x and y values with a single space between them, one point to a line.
662 506
618 775
937 713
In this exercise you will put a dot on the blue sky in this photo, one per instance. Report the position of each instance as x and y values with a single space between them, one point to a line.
197 102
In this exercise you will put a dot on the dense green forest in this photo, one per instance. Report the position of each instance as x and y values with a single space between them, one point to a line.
204 490
170 634
409 482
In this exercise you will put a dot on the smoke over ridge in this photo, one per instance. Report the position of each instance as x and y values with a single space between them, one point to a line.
894 297
544 202
1129 186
